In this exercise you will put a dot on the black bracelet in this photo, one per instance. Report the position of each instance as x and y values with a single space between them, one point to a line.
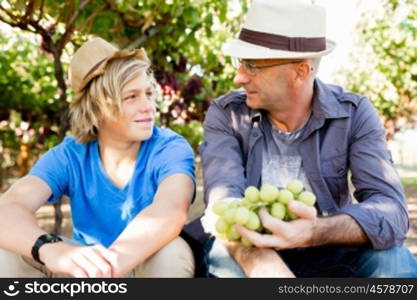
43 239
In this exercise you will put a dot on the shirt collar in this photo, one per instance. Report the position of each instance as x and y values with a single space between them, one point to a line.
326 104
327 101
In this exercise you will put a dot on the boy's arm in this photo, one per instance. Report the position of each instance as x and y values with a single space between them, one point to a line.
156 225
19 230
18 226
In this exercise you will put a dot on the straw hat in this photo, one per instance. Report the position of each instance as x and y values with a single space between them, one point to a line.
90 61
282 29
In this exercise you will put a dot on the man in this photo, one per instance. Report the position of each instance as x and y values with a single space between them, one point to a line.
287 124
130 183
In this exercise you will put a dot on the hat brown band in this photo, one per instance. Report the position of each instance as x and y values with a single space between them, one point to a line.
95 67
281 42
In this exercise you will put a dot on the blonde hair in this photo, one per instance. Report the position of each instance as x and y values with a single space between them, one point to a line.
102 98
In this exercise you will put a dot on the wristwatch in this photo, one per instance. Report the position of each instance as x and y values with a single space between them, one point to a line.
43 239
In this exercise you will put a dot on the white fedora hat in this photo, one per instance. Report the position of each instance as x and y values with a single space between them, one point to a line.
282 29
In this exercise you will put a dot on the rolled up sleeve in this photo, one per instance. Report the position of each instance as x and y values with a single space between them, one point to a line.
381 210
222 162
221 157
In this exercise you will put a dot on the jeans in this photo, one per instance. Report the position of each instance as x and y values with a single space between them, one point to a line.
174 260
325 261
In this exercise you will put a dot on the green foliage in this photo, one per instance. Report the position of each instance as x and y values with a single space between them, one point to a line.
183 39
384 67
409 181
192 131
28 100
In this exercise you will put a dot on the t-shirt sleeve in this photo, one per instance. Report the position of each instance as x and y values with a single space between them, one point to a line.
176 156
52 168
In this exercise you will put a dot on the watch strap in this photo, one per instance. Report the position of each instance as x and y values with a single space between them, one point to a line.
43 239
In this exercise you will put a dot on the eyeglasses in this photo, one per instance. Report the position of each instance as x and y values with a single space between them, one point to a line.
252 69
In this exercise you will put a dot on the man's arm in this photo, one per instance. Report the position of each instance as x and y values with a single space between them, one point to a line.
382 210
259 262
338 230
222 162
156 225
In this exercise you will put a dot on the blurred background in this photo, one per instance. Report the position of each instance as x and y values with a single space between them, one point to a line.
376 56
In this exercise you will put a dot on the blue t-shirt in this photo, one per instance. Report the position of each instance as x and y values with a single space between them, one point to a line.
100 210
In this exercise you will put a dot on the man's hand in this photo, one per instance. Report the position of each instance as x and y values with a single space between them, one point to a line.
79 261
284 235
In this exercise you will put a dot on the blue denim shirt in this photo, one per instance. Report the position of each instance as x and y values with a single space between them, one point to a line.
343 134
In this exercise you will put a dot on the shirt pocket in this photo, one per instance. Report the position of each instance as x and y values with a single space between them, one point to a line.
335 166
334 171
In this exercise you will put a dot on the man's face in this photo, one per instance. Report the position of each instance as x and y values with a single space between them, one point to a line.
266 81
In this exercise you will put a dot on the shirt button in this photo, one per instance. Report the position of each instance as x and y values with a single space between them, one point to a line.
255 134
341 171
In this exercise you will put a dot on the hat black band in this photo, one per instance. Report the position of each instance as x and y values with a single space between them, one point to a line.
281 42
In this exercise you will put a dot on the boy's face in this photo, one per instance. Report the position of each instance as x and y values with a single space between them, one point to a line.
138 113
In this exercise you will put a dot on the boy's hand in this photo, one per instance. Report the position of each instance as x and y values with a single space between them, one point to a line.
79 261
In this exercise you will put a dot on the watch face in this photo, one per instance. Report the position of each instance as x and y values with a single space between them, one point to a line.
51 238
54 238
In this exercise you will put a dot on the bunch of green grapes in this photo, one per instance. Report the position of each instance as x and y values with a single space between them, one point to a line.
245 211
